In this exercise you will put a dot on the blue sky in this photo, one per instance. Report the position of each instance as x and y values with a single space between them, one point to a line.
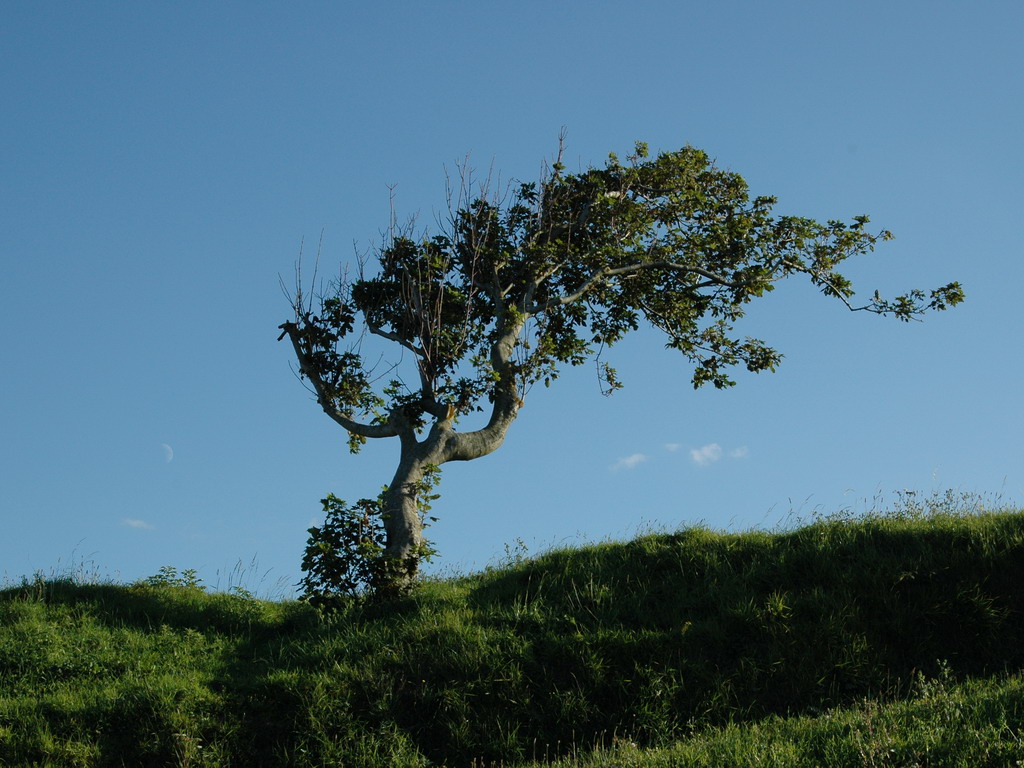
163 162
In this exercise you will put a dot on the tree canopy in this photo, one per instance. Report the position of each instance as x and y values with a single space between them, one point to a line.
551 274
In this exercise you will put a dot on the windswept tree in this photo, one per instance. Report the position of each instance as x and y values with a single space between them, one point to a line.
550 274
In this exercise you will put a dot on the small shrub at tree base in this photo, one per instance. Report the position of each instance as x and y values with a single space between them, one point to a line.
346 556
343 555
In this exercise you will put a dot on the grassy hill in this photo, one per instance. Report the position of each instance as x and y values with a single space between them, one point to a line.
888 640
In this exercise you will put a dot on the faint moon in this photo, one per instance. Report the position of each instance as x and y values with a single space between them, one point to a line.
168 453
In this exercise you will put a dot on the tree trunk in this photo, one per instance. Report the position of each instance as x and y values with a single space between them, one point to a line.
404 527
403 524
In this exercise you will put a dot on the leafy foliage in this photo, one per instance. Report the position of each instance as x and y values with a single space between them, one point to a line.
572 265
169 576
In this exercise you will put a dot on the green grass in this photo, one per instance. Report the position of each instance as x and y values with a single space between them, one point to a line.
891 640
970 725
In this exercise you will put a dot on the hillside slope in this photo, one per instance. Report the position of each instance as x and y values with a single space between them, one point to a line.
656 639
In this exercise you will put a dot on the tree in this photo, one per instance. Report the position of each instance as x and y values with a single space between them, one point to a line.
550 274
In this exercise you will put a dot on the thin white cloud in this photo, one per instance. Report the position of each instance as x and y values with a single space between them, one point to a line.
706 455
739 453
141 524
672 447
629 462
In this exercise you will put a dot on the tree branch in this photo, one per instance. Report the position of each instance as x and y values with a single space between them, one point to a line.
376 330
307 369
713 278
833 289
465 446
